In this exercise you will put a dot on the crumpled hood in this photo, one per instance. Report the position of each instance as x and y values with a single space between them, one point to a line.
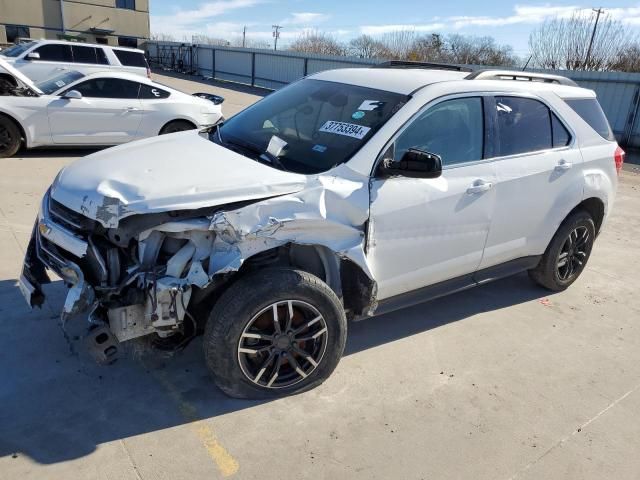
172 172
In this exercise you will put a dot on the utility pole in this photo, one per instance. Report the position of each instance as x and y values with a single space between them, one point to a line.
244 34
276 35
598 11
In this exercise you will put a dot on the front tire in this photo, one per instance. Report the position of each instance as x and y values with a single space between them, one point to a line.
273 333
567 254
10 137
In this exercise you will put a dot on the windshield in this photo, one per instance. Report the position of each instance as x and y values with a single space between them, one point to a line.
54 84
321 124
16 50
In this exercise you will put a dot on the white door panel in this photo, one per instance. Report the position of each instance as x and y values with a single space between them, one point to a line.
534 194
426 231
94 121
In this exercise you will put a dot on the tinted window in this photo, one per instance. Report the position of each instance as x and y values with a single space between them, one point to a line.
453 129
561 136
523 125
129 4
148 92
108 88
320 123
54 84
15 32
84 54
54 53
591 112
130 59
101 57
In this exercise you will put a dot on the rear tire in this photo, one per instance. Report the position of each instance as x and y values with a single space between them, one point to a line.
567 254
251 354
177 126
10 137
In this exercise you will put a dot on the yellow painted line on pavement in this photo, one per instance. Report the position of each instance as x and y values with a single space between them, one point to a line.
222 458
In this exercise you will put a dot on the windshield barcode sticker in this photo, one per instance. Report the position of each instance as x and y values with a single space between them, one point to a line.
346 129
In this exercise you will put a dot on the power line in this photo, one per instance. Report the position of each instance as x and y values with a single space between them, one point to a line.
598 11
276 35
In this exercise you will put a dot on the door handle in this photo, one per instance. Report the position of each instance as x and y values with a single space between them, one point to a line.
479 186
563 165
131 109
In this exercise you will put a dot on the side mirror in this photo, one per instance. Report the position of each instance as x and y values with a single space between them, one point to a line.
72 95
413 164
33 56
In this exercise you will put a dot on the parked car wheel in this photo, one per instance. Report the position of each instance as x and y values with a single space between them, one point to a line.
274 332
10 137
567 254
177 126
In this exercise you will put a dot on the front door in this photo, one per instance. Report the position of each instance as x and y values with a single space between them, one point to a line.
424 231
108 113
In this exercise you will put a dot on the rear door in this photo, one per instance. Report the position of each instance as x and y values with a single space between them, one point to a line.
539 178
88 59
108 113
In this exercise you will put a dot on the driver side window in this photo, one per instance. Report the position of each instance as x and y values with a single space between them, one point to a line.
453 130
108 88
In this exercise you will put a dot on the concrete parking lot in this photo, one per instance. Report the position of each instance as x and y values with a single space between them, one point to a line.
504 381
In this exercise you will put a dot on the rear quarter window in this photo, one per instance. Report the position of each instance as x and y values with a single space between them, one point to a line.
591 112
148 92
131 59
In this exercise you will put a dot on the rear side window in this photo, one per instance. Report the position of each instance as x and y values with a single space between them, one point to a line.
148 92
54 53
590 111
524 125
84 54
131 59
561 136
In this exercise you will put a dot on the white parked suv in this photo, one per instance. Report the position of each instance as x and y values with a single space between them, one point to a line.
43 59
347 194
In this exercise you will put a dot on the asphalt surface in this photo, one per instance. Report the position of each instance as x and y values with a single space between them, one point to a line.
503 381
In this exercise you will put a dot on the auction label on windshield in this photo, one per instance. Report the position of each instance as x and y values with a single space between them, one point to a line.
346 129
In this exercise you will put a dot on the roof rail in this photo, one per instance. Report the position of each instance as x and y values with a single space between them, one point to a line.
521 76
427 65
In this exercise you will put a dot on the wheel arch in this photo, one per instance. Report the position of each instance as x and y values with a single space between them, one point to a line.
595 207
346 278
178 119
26 141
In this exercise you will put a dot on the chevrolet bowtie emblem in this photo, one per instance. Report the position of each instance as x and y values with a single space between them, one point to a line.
43 228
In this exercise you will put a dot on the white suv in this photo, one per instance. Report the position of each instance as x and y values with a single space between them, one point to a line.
44 59
347 194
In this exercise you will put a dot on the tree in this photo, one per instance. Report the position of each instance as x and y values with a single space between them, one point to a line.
207 40
627 59
562 43
479 51
162 37
365 46
317 42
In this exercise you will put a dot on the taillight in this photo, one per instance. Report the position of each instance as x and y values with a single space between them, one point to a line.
618 157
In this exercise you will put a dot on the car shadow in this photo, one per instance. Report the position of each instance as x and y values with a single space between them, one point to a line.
53 152
57 404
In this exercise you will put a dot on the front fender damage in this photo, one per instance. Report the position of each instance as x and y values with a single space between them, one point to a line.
331 212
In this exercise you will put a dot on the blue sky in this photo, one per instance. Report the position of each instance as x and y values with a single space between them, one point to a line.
508 22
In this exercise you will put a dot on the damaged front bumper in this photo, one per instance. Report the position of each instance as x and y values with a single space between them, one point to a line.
51 247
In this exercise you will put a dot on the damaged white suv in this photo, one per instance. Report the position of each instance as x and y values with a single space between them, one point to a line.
347 194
